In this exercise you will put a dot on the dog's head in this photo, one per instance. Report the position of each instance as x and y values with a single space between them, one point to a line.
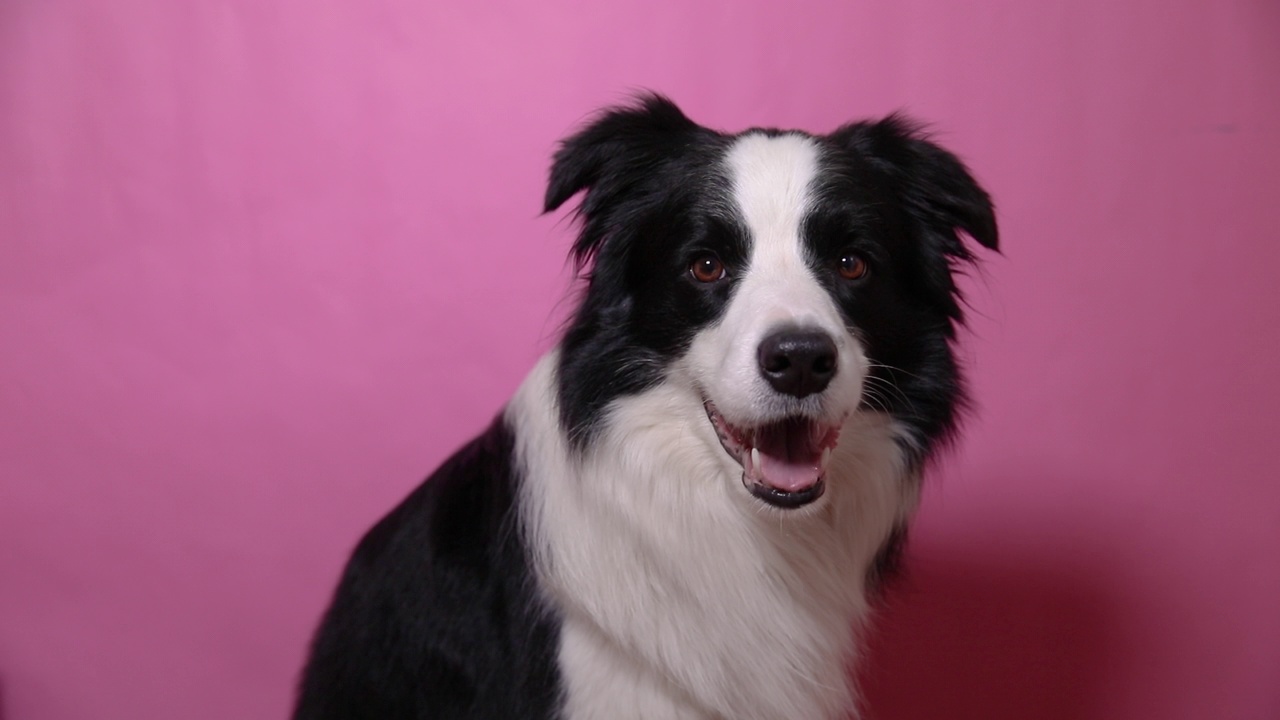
788 280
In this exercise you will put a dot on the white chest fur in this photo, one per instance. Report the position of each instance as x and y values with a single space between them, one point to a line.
683 596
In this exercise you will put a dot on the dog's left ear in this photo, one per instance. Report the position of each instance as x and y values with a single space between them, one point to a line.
616 156
938 189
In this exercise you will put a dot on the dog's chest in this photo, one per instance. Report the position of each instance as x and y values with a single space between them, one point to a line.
714 634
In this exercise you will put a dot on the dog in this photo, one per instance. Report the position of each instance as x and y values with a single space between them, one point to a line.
689 505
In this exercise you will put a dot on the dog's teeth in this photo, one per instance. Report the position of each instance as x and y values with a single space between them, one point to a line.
826 458
755 459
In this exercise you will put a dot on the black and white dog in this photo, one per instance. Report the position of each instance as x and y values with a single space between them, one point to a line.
685 509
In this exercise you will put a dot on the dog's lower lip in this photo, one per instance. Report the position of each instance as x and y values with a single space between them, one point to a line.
783 499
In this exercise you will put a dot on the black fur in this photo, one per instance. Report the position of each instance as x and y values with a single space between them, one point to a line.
652 189
436 615
902 201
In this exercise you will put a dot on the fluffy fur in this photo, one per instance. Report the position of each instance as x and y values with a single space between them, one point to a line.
683 511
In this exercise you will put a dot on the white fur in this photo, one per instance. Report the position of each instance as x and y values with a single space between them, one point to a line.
682 595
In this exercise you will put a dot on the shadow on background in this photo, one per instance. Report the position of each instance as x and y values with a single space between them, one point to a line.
959 639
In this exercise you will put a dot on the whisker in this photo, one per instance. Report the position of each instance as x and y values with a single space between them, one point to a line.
894 369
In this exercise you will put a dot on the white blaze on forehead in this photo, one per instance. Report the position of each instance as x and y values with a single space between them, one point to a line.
772 179
771 183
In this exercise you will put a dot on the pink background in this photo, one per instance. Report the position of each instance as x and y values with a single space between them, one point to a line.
264 263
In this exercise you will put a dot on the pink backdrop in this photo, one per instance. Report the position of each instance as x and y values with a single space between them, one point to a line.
264 263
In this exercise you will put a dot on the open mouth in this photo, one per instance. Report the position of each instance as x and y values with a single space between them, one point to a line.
783 462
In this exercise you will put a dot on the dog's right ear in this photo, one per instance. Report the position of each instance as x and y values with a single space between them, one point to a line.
612 158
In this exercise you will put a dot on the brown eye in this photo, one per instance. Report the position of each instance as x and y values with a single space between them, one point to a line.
707 269
852 267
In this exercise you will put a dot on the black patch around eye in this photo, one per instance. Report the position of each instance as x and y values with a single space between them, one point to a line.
724 238
643 308
832 238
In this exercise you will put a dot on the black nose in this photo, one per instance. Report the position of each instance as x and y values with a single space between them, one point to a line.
798 362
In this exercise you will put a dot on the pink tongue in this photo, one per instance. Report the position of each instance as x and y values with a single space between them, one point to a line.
788 460
783 475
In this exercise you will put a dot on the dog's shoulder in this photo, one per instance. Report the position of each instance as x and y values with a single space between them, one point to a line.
436 608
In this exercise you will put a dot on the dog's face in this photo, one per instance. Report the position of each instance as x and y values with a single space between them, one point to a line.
788 280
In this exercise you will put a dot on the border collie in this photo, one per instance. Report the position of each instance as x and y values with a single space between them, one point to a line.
687 507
